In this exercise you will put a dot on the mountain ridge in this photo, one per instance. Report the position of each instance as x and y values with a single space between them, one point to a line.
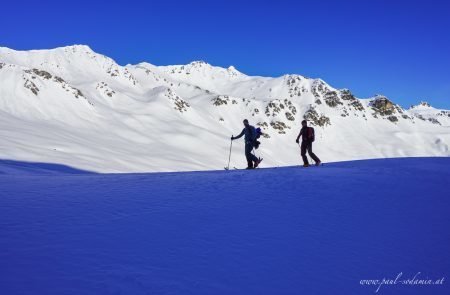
158 106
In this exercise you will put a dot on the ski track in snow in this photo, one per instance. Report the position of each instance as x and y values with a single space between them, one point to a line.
289 230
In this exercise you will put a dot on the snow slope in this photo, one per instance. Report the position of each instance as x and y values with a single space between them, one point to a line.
270 231
73 106
425 111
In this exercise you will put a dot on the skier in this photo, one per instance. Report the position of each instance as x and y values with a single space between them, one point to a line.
249 133
307 134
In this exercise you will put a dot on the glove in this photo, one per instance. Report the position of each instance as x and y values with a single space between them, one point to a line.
232 137
297 140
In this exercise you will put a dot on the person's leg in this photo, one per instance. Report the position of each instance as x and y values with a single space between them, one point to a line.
248 155
303 153
310 152
252 155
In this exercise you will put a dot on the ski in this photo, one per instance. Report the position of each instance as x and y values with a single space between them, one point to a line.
235 168
226 168
229 168
301 166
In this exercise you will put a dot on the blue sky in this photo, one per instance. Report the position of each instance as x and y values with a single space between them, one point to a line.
396 48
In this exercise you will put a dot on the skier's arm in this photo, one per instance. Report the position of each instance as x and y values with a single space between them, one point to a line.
298 137
240 135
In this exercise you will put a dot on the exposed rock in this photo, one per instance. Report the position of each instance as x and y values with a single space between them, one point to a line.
289 116
293 82
292 79
246 101
444 114
434 121
318 88
353 101
58 79
34 73
357 105
220 100
393 118
318 120
344 113
263 125
280 126
332 99
105 89
421 104
273 108
347 95
180 104
113 72
382 106
290 106
420 117
30 85
255 111
78 93
40 73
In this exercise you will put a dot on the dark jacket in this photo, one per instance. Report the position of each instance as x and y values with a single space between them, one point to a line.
249 134
304 134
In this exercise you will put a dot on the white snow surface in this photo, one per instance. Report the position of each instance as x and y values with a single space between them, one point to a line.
76 107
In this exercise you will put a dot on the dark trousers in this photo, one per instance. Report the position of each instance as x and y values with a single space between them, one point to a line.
248 154
307 146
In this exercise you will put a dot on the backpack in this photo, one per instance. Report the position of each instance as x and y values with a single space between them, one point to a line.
258 134
310 135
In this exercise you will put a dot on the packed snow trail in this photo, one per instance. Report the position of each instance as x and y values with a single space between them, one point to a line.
272 231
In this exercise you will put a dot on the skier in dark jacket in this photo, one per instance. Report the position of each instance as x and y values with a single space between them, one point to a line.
249 133
307 139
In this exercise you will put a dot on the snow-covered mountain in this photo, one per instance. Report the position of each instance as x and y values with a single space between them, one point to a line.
426 112
73 106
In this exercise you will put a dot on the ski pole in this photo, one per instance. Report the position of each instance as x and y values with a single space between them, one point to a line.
229 156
